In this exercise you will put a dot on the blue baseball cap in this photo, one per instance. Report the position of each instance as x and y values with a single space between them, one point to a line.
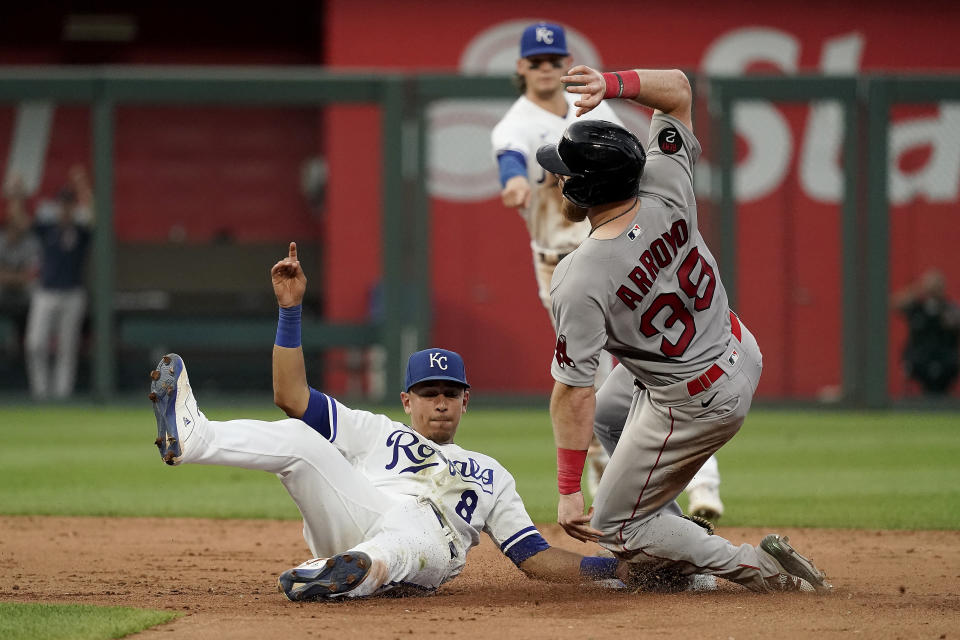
435 364
543 38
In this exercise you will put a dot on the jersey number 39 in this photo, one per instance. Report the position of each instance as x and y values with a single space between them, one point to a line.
678 310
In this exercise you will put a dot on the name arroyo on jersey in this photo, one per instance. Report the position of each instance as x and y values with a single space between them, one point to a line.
418 452
658 255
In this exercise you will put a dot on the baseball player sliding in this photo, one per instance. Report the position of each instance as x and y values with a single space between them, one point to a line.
540 115
384 505
644 286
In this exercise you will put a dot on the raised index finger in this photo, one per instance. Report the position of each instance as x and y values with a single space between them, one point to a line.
293 250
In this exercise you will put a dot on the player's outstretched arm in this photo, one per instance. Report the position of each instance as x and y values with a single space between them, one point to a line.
558 565
665 90
572 412
553 565
516 193
290 390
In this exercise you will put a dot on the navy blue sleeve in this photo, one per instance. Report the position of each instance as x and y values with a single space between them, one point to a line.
512 163
525 548
321 415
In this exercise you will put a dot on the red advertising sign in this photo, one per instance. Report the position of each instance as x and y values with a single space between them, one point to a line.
788 178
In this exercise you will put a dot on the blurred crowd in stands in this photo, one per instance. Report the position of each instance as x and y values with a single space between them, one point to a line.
43 298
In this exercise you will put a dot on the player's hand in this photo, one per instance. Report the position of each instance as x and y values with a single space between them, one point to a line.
516 193
589 84
289 281
571 517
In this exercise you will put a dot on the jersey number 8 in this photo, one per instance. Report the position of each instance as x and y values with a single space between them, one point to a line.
467 504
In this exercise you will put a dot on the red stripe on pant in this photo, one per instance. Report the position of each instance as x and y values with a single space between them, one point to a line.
649 475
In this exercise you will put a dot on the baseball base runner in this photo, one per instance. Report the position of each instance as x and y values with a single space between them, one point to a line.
540 115
645 287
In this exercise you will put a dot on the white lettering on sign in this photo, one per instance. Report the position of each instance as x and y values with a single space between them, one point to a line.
763 126
937 180
462 166
821 173
770 141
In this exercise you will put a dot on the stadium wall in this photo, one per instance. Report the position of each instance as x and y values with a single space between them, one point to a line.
788 182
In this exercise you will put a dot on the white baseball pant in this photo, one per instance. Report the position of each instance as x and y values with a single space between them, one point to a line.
54 313
342 510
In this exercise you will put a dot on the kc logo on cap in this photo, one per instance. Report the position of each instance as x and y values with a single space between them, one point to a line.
435 364
438 359
543 38
545 35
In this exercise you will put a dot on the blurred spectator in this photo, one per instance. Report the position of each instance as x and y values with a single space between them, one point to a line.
19 260
59 303
931 355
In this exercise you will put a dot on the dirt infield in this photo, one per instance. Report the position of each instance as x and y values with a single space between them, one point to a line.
221 575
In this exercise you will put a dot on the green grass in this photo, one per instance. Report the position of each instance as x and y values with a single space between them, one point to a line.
70 461
893 470
19 621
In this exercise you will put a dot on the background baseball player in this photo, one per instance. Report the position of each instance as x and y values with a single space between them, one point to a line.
540 115
383 504
645 287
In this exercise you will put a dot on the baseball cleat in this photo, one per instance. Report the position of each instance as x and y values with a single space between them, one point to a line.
704 502
174 407
799 573
325 578
786 582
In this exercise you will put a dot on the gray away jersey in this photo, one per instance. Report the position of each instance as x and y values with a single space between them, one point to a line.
652 296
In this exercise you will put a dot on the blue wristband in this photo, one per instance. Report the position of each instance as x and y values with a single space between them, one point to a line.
288 327
511 164
597 568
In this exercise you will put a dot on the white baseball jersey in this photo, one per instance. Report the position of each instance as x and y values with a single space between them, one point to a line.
652 296
474 491
524 128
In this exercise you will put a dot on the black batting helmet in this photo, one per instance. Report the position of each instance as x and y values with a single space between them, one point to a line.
603 160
